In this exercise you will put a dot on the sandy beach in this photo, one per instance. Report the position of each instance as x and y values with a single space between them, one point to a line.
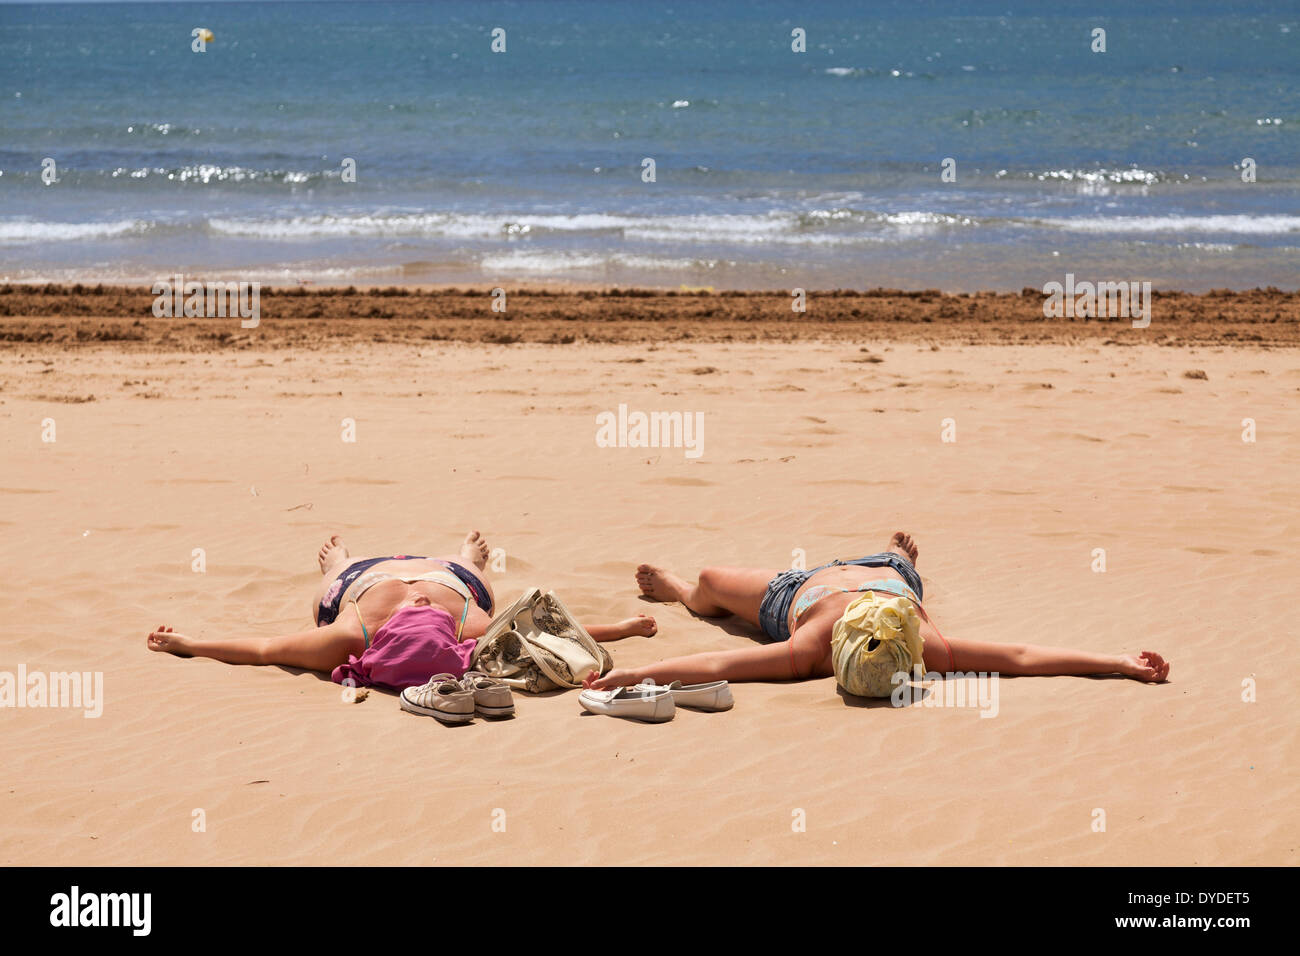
823 434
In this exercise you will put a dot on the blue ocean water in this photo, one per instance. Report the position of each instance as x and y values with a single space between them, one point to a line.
773 168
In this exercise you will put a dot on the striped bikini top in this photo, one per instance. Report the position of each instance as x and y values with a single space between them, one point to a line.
813 595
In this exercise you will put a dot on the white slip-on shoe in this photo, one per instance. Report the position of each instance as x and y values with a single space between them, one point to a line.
715 695
653 706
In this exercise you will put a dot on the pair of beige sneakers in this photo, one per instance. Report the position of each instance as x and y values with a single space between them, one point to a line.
455 701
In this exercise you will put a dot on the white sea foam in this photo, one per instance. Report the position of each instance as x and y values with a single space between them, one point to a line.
19 231
1242 224
473 226
918 218
449 225
1210 246
1092 177
545 262
830 226
209 173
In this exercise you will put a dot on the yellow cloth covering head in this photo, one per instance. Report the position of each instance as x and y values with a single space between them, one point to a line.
876 638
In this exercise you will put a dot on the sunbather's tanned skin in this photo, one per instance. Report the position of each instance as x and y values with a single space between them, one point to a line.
324 648
739 591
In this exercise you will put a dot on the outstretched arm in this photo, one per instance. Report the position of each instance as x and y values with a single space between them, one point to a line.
1037 660
766 662
317 649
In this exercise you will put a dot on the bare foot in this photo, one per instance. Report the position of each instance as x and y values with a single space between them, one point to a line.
640 626
1147 666
165 639
475 550
902 543
331 554
661 585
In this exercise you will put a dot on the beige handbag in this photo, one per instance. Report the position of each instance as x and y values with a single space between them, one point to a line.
537 645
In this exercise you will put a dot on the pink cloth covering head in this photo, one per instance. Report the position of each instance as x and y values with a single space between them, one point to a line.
412 645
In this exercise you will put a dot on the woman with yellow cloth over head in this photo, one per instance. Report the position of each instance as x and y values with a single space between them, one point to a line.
860 620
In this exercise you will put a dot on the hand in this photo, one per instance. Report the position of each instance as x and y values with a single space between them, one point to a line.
1147 666
643 625
164 639
618 677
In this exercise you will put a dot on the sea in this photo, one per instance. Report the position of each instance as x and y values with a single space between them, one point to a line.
908 144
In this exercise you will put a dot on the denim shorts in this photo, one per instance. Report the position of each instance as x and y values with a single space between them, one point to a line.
774 612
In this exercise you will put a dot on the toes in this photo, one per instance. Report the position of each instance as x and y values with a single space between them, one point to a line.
649 579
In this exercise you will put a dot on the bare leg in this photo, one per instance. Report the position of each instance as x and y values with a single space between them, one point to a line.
332 556
474 550
474 554
717 593
723 591
902 543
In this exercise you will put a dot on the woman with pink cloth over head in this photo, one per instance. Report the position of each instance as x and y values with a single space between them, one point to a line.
384 621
